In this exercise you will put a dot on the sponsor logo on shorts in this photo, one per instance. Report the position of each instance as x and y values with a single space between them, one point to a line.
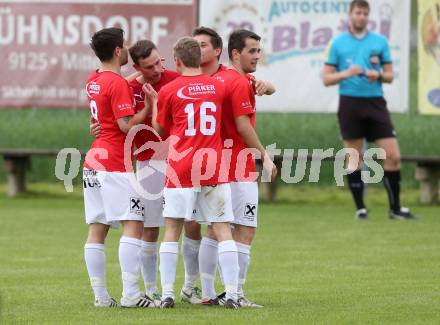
250 210
136 207
90 179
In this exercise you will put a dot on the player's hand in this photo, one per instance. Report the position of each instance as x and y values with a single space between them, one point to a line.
354 70
372 75
150 93
270 168
261 87
151 97
95 128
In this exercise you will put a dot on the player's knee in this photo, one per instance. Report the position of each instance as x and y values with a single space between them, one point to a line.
192 230
173 227
393 158
244 235
210 233
150 234
97 234
222 231
133 228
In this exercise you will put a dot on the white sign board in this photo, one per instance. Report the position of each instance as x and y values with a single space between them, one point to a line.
295 35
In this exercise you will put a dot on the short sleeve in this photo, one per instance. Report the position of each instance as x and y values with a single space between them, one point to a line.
331 54
164 110
139 97
240 98
121 99
385 55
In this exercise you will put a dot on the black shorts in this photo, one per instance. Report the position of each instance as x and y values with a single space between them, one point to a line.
364 118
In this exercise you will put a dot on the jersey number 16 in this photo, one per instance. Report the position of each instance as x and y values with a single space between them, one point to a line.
207 122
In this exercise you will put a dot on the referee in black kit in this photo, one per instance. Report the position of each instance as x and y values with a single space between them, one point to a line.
360 61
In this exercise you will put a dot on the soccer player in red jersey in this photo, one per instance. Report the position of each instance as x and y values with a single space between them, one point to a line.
150 167
238 124
109 197
190 107
211 45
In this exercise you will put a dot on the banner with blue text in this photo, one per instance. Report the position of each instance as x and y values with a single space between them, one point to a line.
295 35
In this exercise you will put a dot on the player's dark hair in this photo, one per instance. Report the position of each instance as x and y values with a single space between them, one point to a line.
141 50
188 50
216 40
105 41
237 40
359 4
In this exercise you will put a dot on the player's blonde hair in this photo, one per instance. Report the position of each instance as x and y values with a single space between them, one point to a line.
187 49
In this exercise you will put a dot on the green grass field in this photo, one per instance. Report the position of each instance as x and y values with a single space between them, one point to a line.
312 263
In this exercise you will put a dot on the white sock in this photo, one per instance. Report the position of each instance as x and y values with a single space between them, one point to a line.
94 255
169 253
208 259
149 266
244 252
129 256
228 260
220 273
190 254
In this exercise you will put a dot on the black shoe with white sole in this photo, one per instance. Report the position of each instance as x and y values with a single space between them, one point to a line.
231 304
167 303
361 214
402 214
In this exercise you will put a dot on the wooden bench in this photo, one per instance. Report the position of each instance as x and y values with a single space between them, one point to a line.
18 162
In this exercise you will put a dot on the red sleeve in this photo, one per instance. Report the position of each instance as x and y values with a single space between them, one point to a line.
138 93
240 98
164 110
121 99
140 106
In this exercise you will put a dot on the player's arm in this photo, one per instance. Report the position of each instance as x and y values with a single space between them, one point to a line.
127 122
133 76
247 132
332 77
95 128
152 96
264 87
250 137
387 74
154 123
330 74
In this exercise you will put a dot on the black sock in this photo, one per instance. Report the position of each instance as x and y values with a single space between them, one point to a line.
391 182
357 188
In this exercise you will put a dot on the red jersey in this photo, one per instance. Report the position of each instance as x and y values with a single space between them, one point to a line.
144 136
190 107
239 100
221 68
110 98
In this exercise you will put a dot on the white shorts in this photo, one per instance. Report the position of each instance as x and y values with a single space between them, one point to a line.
213 203
151 177
245 203
110 197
